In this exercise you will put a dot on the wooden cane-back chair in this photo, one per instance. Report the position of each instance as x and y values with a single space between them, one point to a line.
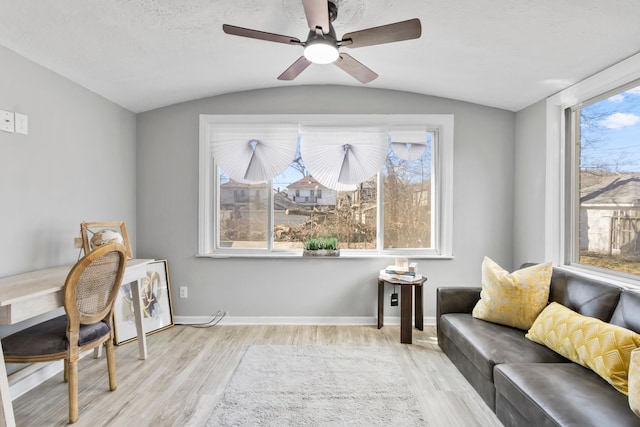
89 294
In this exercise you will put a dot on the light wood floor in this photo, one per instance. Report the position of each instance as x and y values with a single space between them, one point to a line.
188 368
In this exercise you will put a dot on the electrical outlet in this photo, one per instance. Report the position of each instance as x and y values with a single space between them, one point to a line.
183 292
6 121
22 123
77 242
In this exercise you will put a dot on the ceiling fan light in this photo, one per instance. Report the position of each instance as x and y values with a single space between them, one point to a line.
321 52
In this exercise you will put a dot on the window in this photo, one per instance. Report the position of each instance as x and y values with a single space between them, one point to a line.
402 207
593 174
606 137
407 188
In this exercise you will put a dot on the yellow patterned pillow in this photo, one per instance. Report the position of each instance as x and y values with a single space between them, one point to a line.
513 299
634 382
602 347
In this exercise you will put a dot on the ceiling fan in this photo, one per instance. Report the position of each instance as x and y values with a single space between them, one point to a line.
321 46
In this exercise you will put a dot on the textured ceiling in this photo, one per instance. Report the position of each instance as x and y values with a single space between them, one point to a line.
145 54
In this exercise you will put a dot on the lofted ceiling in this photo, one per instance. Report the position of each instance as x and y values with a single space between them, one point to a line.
146 54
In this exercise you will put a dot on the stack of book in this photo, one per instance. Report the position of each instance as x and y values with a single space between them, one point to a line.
406 274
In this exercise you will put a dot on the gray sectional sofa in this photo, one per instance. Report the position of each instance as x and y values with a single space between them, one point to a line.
527 384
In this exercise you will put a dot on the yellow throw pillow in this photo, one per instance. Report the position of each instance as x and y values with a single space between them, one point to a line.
513 299
602 347
634 382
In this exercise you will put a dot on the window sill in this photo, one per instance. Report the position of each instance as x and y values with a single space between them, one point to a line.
343 255
592 273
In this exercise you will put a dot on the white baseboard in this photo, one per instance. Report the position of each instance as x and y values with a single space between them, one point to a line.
294 320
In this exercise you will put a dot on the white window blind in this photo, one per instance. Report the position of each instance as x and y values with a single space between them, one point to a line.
408 142
342 157
253 153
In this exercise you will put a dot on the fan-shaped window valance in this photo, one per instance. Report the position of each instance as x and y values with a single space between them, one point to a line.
338 157
253 153
408 142
342 157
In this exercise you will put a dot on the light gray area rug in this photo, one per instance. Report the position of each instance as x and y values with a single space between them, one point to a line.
317 386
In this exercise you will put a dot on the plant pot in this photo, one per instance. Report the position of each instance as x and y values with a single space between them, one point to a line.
321 252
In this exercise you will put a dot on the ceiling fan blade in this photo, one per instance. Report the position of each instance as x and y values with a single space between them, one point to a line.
355 68
405 30
260 35
317 12
295 69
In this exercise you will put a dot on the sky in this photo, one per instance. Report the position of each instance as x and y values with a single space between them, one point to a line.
615 132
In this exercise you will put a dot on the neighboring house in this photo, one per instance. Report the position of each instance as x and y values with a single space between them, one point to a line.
362 202
365 193
309 192
238 201
421 194
234 194
283 208
610 215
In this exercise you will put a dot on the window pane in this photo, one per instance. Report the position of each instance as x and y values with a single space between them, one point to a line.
407 200
243 214
304 208
356 216
608 138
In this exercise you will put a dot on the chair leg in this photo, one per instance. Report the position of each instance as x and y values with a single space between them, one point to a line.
66 370
97 352
73 391
111 365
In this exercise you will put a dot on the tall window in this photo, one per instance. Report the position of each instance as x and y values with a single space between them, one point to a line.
401 206
407 187
606 138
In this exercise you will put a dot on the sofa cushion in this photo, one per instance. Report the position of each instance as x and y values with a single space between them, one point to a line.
486 344
49 337
600 346
589 297
559 394
627 310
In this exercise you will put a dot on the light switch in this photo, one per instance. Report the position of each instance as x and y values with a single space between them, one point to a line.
6 121
22 123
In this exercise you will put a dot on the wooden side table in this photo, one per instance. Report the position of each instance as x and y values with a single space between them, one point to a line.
406 301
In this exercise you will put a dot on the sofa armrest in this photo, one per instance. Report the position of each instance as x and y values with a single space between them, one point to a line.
456 300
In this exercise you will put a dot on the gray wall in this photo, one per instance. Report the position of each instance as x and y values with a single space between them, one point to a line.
76 164
167 209
529 195
80 163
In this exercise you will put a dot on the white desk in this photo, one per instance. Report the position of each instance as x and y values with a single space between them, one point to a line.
28 295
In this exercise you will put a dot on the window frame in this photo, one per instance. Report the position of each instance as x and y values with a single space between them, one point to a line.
442 175
561 186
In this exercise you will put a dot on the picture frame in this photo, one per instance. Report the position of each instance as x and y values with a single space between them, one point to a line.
156 304
88 229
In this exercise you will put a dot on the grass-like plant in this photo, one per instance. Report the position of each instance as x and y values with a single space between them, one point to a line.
321 243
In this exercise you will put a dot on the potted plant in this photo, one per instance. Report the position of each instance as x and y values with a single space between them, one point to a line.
321 246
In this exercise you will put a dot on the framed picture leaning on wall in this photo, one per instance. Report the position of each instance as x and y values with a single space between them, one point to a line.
157 313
